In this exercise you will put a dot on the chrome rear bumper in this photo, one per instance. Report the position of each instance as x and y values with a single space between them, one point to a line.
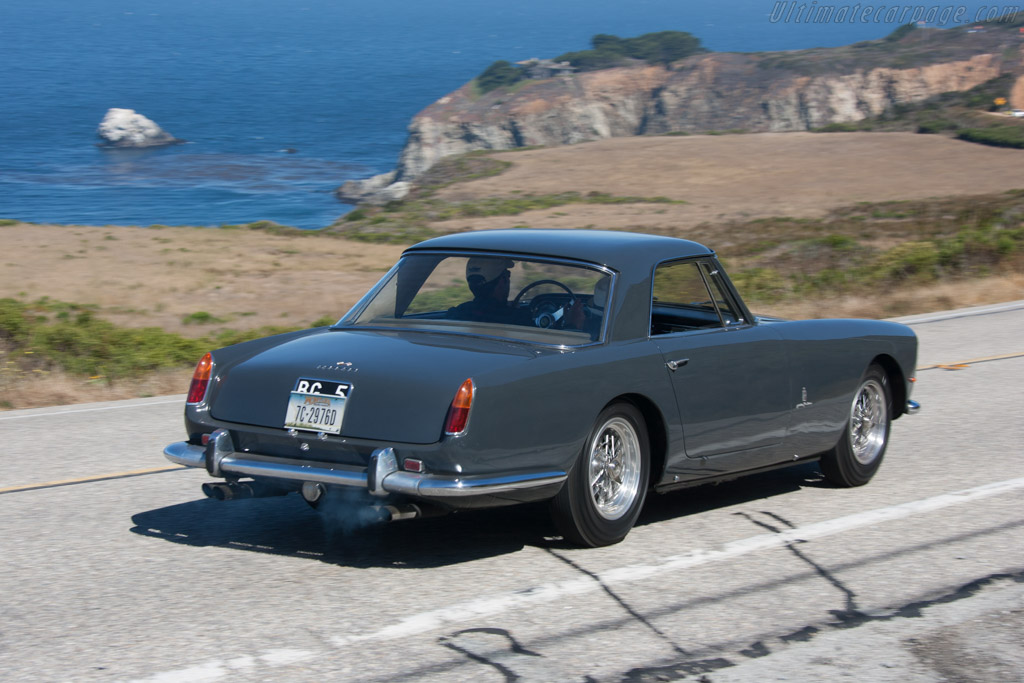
381 477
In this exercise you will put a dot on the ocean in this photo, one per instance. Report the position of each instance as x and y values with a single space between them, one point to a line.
281 101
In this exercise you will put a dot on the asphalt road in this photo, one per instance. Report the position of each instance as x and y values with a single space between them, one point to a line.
110 570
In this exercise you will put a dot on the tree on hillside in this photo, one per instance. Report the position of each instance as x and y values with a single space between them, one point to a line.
663 47
608 43
500 74
592 60
900 32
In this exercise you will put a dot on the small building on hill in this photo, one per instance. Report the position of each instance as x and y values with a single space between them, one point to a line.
540 69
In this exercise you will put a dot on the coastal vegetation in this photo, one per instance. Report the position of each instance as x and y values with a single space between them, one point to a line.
500 74
904 48
869 248
408 220
42 335
663 47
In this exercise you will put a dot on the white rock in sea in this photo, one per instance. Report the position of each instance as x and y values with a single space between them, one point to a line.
126 128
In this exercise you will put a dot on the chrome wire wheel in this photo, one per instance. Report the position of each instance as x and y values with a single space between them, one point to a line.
868 422
615 467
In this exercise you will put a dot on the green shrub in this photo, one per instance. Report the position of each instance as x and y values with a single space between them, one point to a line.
592 60
999 136
663 47
901 32
200 318
836 128
910 260
79 343
761 284
935 126
500 74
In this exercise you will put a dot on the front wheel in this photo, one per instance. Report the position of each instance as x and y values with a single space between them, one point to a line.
858 455
602 497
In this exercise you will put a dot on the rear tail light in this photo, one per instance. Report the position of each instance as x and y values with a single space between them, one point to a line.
458 413
200 380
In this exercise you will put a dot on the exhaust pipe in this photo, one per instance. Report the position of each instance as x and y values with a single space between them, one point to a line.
239 490
394 513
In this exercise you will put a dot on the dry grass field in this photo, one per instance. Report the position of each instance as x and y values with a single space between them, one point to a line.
160 277
738 177
196 281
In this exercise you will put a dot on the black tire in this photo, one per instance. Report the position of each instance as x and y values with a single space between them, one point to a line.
855 459
607 485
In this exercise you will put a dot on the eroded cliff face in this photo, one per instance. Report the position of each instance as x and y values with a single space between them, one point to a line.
719 91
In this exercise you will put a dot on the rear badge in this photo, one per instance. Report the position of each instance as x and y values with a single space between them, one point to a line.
317 405
803 399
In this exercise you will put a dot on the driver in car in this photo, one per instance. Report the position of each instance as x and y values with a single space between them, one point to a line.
489 279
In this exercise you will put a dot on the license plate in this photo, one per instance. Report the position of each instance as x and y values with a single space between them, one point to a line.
317 405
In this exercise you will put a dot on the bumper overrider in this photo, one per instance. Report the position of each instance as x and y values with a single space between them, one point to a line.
381 477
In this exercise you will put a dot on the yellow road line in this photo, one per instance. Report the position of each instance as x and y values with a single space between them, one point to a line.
83 480
964 363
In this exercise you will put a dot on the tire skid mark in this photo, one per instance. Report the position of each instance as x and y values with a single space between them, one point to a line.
622 603
499 649
911 610
849 595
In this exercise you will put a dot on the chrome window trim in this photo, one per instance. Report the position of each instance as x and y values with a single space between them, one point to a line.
725 285
346 321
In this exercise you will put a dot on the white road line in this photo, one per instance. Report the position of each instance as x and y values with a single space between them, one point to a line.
175 399
487 607
960 313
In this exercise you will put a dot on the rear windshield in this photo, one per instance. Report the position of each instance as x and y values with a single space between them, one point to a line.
513 298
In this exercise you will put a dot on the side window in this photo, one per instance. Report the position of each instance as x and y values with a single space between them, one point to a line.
714 280
681 299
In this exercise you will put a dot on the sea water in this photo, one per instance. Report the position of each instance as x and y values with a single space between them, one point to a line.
281 101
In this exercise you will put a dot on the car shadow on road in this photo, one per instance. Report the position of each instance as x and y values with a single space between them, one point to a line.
707 497
287 526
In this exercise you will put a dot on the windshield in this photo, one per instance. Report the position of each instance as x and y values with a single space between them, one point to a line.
514 298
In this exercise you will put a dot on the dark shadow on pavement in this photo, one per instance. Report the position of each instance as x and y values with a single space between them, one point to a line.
287 526
693 501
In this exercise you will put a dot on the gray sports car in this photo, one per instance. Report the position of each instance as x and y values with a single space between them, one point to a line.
581 367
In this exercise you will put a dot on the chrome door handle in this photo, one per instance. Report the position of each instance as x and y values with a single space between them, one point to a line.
674 365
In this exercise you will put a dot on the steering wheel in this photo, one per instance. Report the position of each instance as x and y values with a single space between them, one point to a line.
545 318
538 283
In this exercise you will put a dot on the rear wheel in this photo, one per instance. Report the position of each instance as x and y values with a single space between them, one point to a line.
855 459
605 491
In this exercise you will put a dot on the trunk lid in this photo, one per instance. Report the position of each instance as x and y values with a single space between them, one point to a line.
401 383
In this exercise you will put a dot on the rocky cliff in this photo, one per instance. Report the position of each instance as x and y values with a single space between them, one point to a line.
712 92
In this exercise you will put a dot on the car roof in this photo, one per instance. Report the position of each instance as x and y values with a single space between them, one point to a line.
614 249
